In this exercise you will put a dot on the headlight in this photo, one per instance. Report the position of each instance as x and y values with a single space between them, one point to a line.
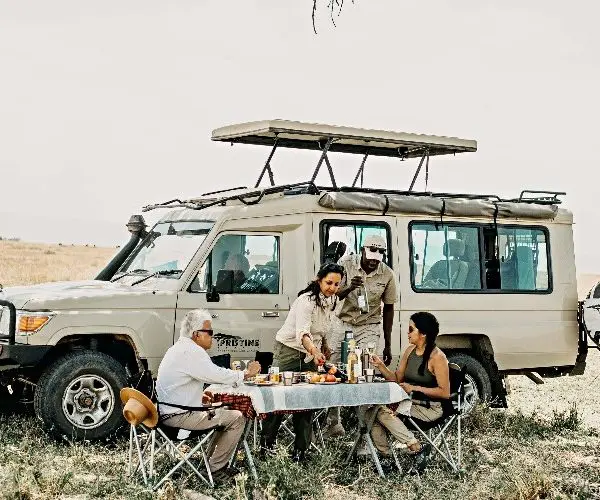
29 322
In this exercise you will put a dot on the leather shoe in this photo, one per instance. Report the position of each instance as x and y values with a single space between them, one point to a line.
298 456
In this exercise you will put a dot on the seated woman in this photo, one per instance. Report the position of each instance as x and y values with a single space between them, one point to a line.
301 345
423 370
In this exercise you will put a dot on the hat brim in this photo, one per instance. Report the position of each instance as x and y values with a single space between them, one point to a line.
128 393
373 255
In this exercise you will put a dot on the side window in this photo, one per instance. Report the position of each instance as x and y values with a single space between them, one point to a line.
241 264
445 257
346 238
523 259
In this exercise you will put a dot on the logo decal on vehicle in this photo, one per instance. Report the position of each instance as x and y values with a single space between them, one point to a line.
235 343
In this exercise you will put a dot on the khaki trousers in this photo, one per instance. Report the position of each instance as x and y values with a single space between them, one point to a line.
387 419
232 421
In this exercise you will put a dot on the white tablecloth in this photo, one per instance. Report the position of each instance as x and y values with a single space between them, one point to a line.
313 396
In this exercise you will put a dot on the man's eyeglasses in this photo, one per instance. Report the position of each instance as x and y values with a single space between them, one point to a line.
209 332
376 249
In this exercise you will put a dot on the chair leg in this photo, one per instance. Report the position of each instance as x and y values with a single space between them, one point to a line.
255 433
391 444
374 454
140 456
249 453
433 441
184 459
459 434
449 454
153 439
130 458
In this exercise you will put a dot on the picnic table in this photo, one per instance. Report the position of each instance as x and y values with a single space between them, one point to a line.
256 402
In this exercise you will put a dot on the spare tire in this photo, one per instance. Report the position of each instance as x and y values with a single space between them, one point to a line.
478 387
78 396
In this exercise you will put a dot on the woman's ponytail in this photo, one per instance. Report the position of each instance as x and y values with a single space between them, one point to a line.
428 325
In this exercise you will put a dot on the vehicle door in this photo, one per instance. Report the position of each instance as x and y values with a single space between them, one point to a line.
339 235
240 284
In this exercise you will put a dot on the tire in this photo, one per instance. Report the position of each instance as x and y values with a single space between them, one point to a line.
77 397
478 387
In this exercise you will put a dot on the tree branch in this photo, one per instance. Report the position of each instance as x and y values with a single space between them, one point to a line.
332 5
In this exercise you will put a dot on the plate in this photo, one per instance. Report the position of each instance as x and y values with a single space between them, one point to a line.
325 383
262 384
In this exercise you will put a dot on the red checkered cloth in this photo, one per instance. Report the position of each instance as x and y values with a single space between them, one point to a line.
237 402
244 404
393 406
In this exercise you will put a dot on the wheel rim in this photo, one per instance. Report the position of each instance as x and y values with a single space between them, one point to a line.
471 394
88 401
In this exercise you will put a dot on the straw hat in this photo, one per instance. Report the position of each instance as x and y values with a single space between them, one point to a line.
138 408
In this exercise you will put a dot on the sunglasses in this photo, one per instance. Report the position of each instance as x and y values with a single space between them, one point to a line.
209 332
412 329
376 249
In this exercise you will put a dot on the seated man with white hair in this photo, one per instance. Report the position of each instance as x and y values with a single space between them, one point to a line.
182 375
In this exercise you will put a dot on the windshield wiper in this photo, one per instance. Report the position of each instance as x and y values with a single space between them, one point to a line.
164 272
129 273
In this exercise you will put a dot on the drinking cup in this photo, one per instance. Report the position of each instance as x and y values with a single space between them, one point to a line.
288 378
369 373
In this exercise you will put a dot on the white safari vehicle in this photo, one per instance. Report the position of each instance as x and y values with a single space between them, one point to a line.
499 274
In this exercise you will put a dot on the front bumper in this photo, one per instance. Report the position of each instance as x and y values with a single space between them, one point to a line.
21 355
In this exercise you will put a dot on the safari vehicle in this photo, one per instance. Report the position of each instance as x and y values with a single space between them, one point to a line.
498 273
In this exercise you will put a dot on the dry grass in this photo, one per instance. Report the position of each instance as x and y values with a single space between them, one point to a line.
26 263
547 445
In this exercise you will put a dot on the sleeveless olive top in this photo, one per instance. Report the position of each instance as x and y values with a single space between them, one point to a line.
412 376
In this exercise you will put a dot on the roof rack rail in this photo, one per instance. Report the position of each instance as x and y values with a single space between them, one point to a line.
225 190
553 199
255 196
423 193
248 198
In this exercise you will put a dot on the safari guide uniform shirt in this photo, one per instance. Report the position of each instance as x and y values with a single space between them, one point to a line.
183 372
379 287
306 318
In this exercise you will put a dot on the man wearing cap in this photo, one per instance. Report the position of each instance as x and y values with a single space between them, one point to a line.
368 283
182 375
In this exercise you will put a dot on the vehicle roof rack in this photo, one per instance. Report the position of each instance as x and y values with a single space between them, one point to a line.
255 196
333 138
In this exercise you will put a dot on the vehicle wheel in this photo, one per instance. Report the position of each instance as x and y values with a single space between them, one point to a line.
78 396
478 387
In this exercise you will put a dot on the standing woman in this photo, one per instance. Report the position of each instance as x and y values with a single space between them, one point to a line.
301 344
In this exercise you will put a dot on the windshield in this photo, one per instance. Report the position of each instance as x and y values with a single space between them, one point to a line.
168 249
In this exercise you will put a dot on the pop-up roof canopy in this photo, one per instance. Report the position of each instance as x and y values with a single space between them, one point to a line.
331 138
293 134
364 142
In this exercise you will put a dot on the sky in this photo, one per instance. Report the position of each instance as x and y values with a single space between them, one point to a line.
108 106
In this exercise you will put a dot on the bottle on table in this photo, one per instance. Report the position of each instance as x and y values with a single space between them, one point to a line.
349 335
352 366
359 365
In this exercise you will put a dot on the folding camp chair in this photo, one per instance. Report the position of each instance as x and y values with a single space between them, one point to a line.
435 432
150 441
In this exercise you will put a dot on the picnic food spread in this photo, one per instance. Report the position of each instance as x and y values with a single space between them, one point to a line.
328 374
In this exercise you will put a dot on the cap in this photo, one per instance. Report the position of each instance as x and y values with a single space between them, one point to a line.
375 247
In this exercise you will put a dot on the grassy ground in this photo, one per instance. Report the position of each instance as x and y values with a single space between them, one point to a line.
547 445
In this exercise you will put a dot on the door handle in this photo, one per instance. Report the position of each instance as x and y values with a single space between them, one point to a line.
214 316
270 314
